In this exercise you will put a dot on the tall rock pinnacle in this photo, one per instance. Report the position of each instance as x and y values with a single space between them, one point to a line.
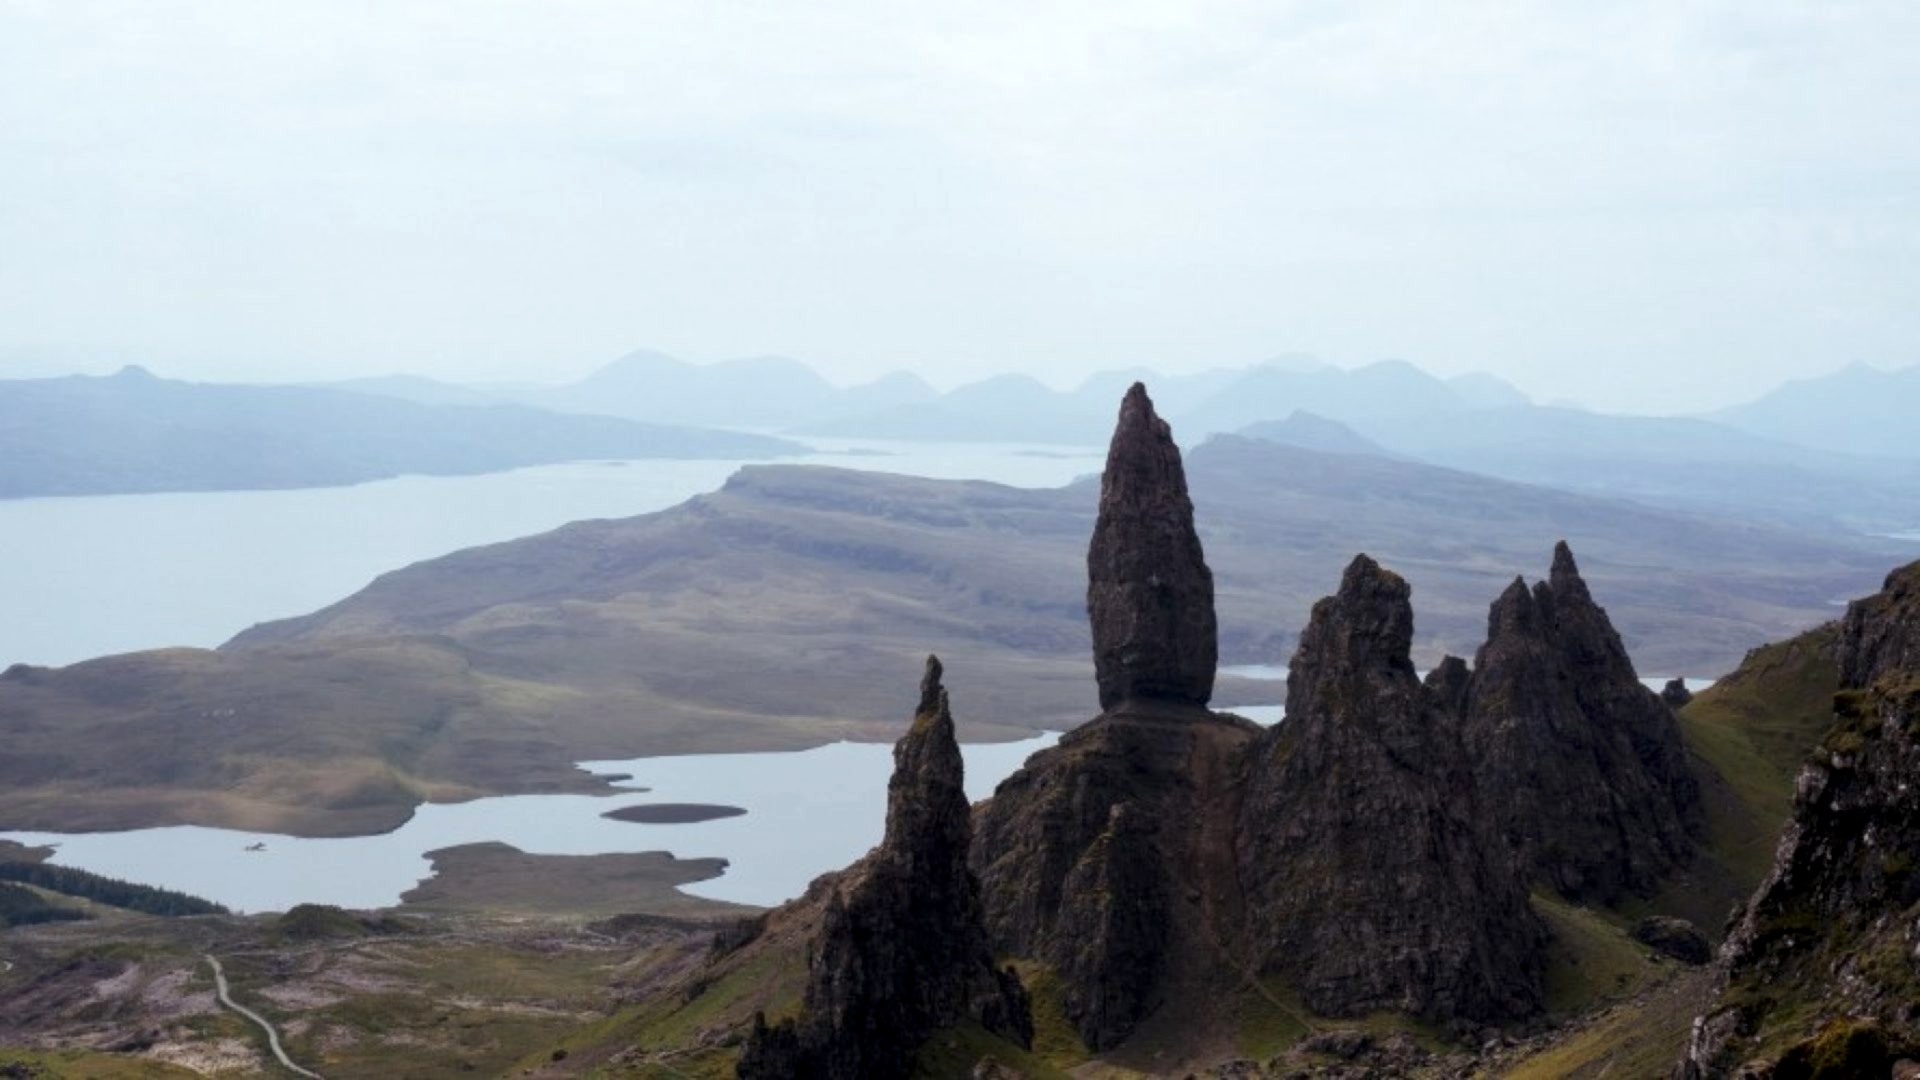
1149 592
1583 769
902 951
1369 883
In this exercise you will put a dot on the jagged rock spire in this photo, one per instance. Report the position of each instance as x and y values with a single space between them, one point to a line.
1368 624
1565 573
1149 592
902 951
1583 768
1370 884
928 815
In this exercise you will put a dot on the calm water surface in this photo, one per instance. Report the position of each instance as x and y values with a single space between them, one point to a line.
807 812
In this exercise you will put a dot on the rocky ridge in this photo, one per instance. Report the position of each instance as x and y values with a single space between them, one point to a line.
1369 882
1581 767
1347 851
901 952
1821 967
1161 854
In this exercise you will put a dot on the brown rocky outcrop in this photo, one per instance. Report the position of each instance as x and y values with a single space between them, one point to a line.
1581 768
1109 856
1676 694
1674 937
1149 592
1368 883
1821 967
902 951
1374 850
1117 894
1880 635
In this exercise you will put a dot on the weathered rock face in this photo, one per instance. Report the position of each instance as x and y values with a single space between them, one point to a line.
1881 634
1149 592
902 950
1109 858
1368 883
1581 768
1676 694
1822 965
1449 683
1673 937
1116 896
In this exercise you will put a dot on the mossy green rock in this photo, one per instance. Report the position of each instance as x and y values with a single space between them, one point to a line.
1822 970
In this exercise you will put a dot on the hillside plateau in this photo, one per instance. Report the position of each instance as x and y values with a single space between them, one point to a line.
774 614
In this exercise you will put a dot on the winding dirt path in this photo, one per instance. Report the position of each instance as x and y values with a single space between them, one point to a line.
273 1037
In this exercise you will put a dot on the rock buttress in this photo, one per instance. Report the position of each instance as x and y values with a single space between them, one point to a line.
1108 857
1369 884
1581 767
902 951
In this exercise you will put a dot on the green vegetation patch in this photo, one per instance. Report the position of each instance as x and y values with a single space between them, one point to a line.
86 1065
771 982
1272 1018
955 1053
110 891
1750 732
1641 1039
324 922
1055 1039
1843 1049
1592 959
21 906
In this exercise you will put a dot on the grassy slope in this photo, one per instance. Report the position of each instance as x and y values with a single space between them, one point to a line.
1638 1039
88 1065
416 996
683 1027
1751 731
1593 959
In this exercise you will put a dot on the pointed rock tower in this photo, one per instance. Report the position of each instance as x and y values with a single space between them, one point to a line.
902 951
1149 592
1369 883
1582 768
1109 856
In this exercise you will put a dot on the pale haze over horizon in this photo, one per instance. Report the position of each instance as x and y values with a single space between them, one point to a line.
1641 206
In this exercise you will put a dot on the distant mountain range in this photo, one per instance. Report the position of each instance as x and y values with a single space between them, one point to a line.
1311 431
776 393
135 432
767 392
1859 410
1828 453
1677 462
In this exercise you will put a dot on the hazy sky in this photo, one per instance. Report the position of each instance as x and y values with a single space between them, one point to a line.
1646 205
